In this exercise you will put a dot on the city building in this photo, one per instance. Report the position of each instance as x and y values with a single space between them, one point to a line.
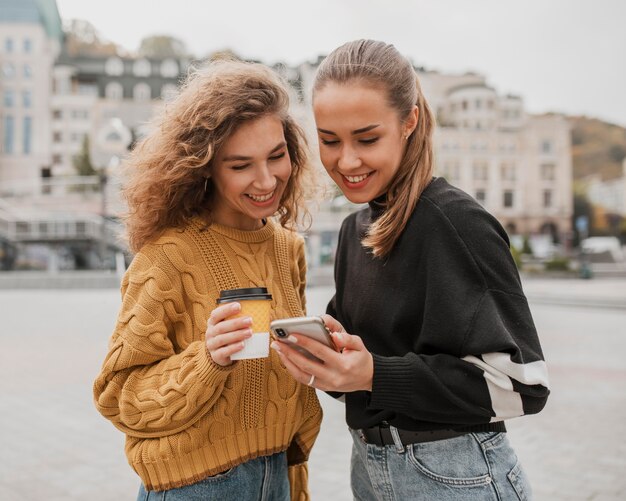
609 194
110 100
31 39
516 164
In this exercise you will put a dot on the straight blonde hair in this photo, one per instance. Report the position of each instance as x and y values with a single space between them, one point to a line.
380 64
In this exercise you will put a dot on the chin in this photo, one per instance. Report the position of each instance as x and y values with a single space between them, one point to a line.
358 198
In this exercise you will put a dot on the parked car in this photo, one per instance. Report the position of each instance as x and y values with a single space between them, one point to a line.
603 249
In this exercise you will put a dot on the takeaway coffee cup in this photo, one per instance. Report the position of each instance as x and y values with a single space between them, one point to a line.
255 303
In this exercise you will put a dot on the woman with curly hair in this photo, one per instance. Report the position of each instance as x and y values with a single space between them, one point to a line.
224 158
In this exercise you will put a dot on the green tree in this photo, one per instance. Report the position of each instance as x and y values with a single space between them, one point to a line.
584 208
82 160
161 46
82 39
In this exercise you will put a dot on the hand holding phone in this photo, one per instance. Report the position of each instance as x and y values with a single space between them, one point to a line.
312 327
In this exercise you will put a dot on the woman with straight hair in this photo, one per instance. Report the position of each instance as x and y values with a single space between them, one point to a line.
212 193
437 345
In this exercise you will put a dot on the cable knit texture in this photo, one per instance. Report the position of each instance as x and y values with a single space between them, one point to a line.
184 416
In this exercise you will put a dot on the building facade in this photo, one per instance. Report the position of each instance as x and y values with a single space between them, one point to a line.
30 42
517 165
109 100
609 194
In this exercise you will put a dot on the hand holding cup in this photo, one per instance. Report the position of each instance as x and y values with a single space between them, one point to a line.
226 335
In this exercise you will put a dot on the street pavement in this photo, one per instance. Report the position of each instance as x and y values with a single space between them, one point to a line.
55 446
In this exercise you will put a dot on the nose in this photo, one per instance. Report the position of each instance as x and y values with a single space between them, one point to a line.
348 158
264 181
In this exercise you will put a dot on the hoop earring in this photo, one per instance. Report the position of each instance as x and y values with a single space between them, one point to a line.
206 182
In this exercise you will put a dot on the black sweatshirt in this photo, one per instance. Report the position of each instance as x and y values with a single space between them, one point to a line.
444 316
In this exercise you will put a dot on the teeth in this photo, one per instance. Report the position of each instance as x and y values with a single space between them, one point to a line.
356 179
261 198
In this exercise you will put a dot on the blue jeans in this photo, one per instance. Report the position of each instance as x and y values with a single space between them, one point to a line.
262 479
472 467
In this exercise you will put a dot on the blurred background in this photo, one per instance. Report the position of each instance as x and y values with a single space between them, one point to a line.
531 112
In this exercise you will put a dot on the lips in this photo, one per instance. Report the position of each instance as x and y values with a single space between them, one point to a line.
356 181
262 200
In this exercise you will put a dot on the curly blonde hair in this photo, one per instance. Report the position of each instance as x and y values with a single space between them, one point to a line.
169 171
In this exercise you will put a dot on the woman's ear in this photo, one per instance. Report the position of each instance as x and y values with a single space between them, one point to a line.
410 124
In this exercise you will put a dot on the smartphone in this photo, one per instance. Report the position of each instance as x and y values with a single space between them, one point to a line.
313 327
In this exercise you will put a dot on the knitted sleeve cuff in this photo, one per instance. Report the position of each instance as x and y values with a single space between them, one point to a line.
298 482
210 372
392 385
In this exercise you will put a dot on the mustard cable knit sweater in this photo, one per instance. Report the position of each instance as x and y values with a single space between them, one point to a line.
184 416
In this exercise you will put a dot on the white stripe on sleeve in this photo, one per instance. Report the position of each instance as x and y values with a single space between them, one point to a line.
498 370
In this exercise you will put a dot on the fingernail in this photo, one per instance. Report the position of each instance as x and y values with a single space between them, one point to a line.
292 339
275 346
235 306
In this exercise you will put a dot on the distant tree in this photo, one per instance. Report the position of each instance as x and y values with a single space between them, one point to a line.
82 160
82 39
224 54
582 208
617 152
160 46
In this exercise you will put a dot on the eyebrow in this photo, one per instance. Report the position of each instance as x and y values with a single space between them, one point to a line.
238 158
354 132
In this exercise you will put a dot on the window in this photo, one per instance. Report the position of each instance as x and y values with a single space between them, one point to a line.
507 199
57 114
481 196
28 71
57 159
57 137
114 66
114 90
8 70
80 114
9 134
169 68
141 68
547 172
546 146
9 98
27 135
478 103
481 171
87 89
168 92
507 172
464 104
28 45
547 198
8 45
27 99
450 171
113 137
141 92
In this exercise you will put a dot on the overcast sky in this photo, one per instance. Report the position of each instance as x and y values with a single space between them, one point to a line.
559 55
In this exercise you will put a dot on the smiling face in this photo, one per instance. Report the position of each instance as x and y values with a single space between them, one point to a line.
361 138
250 173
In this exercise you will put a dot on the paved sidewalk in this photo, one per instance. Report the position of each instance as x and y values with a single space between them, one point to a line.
57 447
596 293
